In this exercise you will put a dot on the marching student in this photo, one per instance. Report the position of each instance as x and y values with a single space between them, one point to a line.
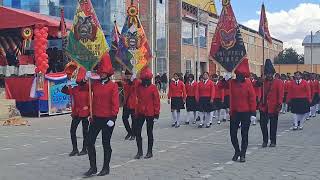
299 96
80 107
314 83
257 86
219 97
206 95
177 97
226 102
286 83
192 99
130 102
148 109
273 91
243 106
105 106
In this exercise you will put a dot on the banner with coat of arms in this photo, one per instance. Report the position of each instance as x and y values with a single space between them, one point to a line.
227 46
86 41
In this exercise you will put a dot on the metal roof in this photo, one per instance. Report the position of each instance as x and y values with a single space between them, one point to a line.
316 39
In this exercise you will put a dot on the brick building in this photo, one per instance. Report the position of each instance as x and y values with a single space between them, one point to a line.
181 24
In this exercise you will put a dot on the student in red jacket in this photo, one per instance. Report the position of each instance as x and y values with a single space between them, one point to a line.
271 104
105 106
206 96
130 102
226 102
243 106
300 99
286 83
192 99
218 98
80 107
177 95
314 83
147 109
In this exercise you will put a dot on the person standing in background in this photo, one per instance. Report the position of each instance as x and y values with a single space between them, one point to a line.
164 83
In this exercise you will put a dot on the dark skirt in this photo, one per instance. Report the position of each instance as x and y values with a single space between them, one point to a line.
205 104
177 103
217 104
285 97
226 103
191 104
300 106
315 100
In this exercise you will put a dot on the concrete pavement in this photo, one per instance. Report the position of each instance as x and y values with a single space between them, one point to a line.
40 151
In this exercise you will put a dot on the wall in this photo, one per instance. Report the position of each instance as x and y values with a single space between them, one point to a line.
315 54
291 68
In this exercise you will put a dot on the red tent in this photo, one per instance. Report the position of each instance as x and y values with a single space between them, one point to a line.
17 18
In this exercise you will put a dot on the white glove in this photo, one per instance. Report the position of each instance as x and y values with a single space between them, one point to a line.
110 123
253 118
227 76
133 77
155 120
88 75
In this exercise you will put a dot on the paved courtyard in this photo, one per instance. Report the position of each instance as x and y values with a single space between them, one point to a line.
40 151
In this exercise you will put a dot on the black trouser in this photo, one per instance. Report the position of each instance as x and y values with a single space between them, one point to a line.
265 117
73 131
100 124
125 118
244 118
138 128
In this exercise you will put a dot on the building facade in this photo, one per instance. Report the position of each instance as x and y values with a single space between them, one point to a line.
312 49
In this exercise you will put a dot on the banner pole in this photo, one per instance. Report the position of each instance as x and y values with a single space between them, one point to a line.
90 97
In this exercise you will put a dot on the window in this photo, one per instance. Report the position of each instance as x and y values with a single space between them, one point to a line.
187 32
189 66
251 39
203 36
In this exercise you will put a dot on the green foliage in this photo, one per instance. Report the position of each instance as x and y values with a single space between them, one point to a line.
289 56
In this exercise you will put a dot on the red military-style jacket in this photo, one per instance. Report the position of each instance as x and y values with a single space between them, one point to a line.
257 89
242 97
314 87
286 85
192 90
130 93
299 90
80 100
219 90
177 89
206 89
273 96
148 101
105 100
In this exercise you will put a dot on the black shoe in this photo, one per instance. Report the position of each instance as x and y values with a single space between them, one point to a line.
200 126
186 123
198 118
264 145
132 138
177 126
90 172
208 126
242 159
173 125
127 137
83 152
224 120
235 157
138 156
74 153
104 171
148 155
272 145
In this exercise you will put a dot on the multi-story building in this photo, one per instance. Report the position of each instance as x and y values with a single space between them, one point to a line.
312 48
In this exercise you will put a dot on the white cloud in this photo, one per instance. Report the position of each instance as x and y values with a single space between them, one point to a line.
293 25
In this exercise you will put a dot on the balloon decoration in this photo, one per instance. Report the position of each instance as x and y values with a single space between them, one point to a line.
41 44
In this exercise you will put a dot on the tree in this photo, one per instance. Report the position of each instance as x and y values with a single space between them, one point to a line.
289 56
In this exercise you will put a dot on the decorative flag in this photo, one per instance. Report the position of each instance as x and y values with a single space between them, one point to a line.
227 46
86 41
115 38
62 26
134 49
263 27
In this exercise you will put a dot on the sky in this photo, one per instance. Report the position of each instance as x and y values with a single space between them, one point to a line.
289 20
